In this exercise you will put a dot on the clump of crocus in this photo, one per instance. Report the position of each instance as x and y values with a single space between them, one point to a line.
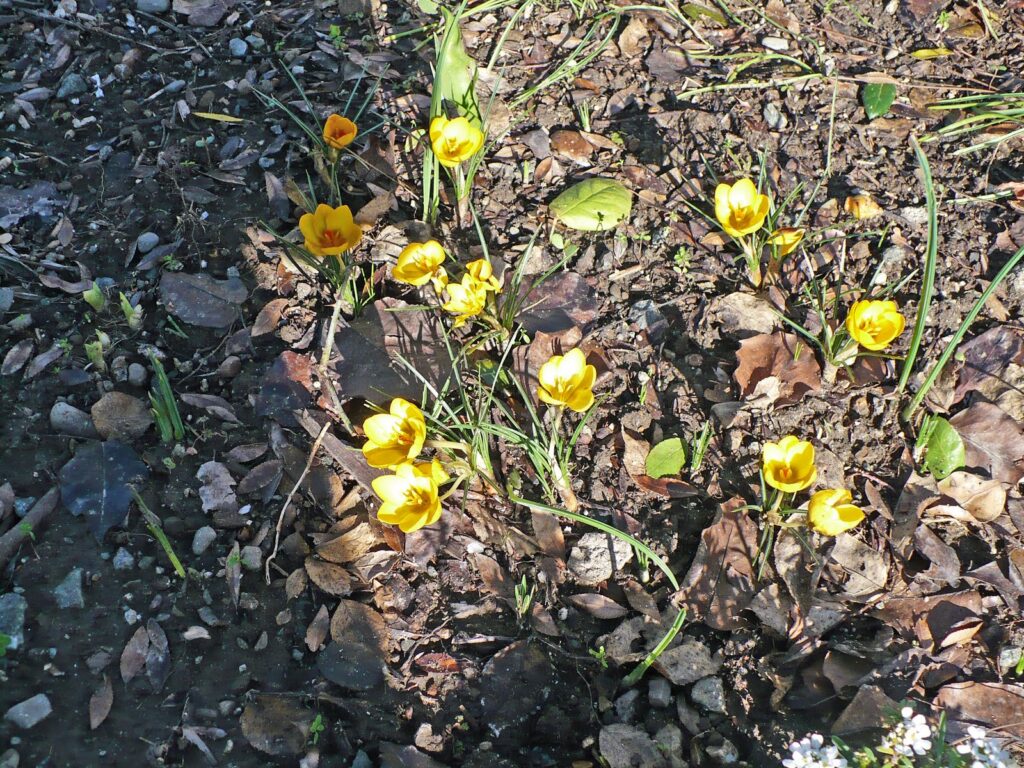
874 324
410 498
831 512
788 465
395 437
454 141
469 297
567 381
420 263
339 132
330 231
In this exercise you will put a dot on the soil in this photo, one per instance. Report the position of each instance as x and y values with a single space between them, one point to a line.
457 678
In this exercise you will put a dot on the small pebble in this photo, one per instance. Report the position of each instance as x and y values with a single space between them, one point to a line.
252 558
30 712
659 692
72 85
137 375
153 6
68 593
65 419
709 692
775 43
147 242
203 538
238 47
123 560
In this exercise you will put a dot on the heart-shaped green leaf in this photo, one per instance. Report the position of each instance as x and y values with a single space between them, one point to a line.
593 205
945 449
667 458
877 98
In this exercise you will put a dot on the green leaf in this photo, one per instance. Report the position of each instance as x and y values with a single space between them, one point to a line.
666 458
877 98
5 643
593 205
455 77
945 450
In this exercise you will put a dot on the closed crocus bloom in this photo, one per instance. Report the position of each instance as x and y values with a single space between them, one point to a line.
789 464
482 271
875 324
330 231
419 263
567 380
395 437
740 208
830 512
786 239
454 141
466 299
409 498
862 207
339 131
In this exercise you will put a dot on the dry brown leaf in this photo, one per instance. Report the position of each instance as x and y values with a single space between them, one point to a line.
495 579
100 703
352 620
992 704
350 545
984 500
316 632
597 605
296 583
777 368
994 441
133 657
277 725
720 583
331 578
269 317
548 532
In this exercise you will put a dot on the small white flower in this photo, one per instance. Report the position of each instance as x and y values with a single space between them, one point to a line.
912 736
983 751
811 752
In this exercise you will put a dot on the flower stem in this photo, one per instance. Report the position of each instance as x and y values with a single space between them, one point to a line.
558 477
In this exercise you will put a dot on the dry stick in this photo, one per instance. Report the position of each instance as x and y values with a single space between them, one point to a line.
287 501
14 538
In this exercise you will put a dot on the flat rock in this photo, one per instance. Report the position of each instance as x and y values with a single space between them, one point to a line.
709 692
68 593
624 746
741 315
72 85
65 419
121 416
596 557
30 712
153 6
13 610
505 705
687 663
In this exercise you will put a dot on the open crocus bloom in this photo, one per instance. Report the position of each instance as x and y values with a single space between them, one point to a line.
830 512
339 132
789 464
740 208
567 380
454 141
874 324
395 437
419 263
409 498
330 231
466 299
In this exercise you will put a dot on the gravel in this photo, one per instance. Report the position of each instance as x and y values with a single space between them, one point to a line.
72 85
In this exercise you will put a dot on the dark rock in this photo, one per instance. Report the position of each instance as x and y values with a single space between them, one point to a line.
13 610
68 593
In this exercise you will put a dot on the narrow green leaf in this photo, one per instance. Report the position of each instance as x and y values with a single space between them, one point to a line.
667 458
455 77
945 453
877 98
593 205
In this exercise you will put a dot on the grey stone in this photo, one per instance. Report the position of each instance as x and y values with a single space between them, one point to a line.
23 504
203 538
238 47
119 369
30 712
659 692
72 85
252 558
362 760
688 716
153 6
625 705
775 118
709 692
68 593
596 556
137 375
147 242
10 759
13 610
624 746
687 662
256 42
123 560
65 419
1009 658
775 43
725 753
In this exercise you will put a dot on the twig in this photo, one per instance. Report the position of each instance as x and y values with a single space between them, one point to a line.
280 518
14 538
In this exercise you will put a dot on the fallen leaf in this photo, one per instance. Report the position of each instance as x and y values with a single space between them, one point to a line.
217 491
720 582
276 724
496 580
331 578
782 357
862 207
994 705
100 703
316 632
269 318
213 405
201 300
865 567
985 500
97 483
43 360
597 605
158 656
233 573
994 441
16 357
133 657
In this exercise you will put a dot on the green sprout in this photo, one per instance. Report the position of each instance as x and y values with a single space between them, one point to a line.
132 315
26 529
95 298
165 408
317 726
600 656
524 597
